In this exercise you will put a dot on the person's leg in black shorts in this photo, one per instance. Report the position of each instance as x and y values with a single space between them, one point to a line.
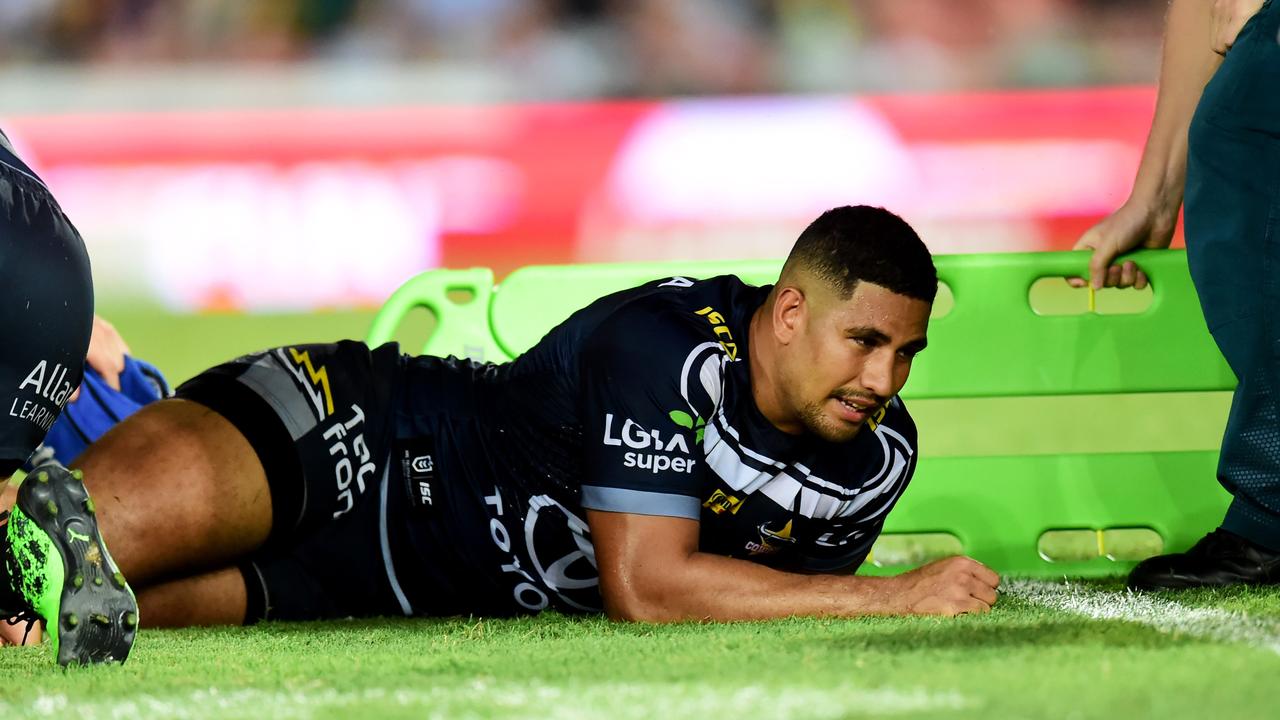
257 492
46 310
55 566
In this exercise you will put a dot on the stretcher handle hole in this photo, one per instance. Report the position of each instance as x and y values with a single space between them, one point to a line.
1052 296
1120 544
913 549
460 294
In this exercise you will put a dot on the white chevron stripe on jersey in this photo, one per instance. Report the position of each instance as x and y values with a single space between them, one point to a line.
747 471
725 461
710 375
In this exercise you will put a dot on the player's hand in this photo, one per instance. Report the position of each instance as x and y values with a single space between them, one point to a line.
1228 18
1125 230
951 586
106 353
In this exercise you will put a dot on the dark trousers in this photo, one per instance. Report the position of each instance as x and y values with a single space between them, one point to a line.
1233 247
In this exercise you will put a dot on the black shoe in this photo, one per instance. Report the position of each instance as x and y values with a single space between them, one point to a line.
1221 558
58 564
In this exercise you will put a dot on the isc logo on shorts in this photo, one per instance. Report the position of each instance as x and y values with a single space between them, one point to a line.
421 471
418 465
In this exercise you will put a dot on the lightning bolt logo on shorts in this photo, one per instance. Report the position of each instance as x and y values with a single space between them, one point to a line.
315 381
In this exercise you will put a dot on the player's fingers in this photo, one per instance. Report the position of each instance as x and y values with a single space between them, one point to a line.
108 369
981 591
106 351
1142 281
108 360
986 575
1077 282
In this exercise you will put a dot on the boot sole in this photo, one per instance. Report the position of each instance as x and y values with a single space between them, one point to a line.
97 611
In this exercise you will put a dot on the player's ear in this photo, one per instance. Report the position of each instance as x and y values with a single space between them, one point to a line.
789 309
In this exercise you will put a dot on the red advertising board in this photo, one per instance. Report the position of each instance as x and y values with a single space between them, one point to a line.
320 207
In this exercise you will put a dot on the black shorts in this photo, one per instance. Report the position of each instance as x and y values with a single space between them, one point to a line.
46 310
321 419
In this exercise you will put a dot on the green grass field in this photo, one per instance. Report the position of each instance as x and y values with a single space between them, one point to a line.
1051 651
1088 650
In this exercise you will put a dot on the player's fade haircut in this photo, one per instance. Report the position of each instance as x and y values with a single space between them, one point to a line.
851 244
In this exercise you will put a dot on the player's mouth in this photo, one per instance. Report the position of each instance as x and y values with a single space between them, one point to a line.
855 410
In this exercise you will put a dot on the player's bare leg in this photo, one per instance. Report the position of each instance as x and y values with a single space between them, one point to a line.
213 598
178 490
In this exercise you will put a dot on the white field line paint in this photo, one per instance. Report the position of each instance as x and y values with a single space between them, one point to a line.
485 698
1162 614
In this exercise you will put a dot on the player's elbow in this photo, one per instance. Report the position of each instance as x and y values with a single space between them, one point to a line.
641 604
637 612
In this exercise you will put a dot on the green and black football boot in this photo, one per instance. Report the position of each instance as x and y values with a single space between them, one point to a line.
13 608
59 565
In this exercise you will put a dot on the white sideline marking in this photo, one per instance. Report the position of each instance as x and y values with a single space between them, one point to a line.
1167 616
489 699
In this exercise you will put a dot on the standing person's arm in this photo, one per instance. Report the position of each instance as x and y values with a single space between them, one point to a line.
1196 31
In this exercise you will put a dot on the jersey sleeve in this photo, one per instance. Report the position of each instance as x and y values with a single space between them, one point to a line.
643 433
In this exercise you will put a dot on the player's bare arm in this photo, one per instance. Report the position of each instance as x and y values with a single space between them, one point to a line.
651 571
1149 216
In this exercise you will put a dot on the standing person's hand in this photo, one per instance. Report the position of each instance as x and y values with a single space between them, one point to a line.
1228 19
1125 230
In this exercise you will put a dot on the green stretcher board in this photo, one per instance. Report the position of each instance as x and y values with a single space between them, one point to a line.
990 339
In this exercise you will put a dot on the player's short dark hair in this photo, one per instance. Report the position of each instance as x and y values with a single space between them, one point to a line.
851 244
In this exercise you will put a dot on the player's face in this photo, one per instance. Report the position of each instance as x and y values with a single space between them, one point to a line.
851 356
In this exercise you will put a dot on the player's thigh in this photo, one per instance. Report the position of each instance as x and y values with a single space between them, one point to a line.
318 419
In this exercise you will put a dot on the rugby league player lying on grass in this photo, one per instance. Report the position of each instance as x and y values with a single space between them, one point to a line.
685 450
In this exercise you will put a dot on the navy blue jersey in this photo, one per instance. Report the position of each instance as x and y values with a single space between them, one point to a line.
639 403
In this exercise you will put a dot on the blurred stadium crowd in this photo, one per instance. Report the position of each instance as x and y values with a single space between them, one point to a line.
617 48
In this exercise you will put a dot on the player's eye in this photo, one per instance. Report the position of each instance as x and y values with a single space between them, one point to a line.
864 341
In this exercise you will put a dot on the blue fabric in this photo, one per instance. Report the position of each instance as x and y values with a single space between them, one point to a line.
100 407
